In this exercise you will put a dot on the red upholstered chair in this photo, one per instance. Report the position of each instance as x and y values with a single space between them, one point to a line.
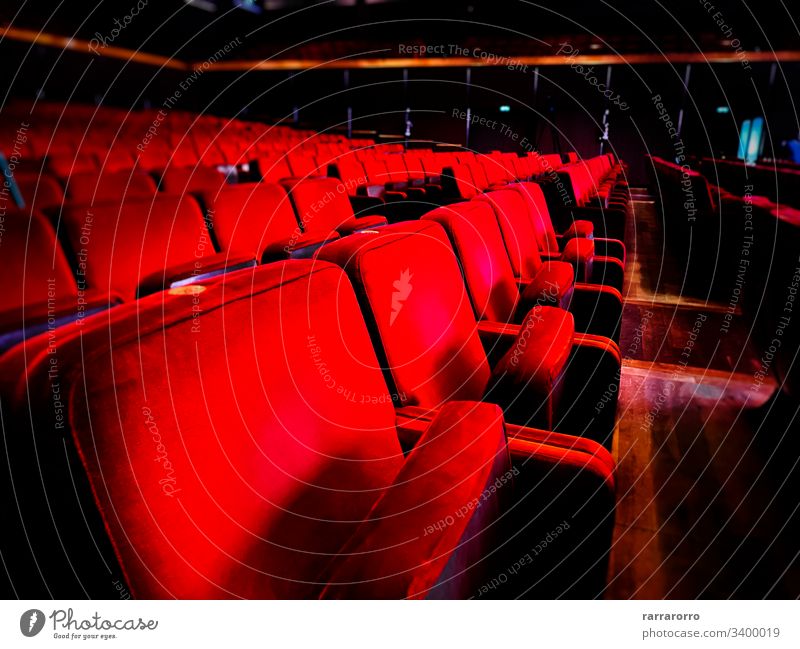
140 246
208 456
414 296
303 165
433 351
188 180
40 291
607 255
97 187
273 169
39 191
498 293
322 205
257 219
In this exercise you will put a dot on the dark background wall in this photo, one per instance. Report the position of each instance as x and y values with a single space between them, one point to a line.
560 109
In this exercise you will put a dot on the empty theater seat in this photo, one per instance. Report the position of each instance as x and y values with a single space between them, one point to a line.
322 205
499 296
39 192
257 219
411 288
139 246
597 308
277 485
182 180
40 291
103 186
415 303
607 255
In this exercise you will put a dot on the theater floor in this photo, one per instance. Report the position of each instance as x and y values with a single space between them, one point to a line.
707 503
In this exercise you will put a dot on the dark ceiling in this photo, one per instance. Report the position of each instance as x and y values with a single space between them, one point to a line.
337 28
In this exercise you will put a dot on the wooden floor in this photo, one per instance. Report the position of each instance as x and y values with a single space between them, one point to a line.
708 488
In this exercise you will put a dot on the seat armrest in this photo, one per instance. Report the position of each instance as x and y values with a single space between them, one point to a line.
391 196
604 247
597 310
200 269
580 253
365 203
525 438
591 388
443 505
523 441
300 248
608 221
30 320
552 285
608 271
361 223
526 381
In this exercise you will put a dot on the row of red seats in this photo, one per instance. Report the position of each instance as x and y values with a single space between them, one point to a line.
64 140
112 251
779 183
265 228
303 470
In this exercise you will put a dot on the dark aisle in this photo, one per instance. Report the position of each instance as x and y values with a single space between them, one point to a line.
707 489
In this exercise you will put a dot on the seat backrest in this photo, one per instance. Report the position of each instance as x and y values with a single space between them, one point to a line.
118 245
475 236
262 471
85 188
478 175
396 168
39 191
517 229
494 169
550 162
377 172
351 171
64 166
303 165
413 297
414 167
249 217
321 204
464 184
273 169
35 268
539 214
182 180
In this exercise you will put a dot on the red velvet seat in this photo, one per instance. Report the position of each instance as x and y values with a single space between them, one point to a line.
268 481
273 169
257 219
411 288
93 187
40 290
322 206
187 180
607 255
139 246
303 165
413 297
39 191
498 293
